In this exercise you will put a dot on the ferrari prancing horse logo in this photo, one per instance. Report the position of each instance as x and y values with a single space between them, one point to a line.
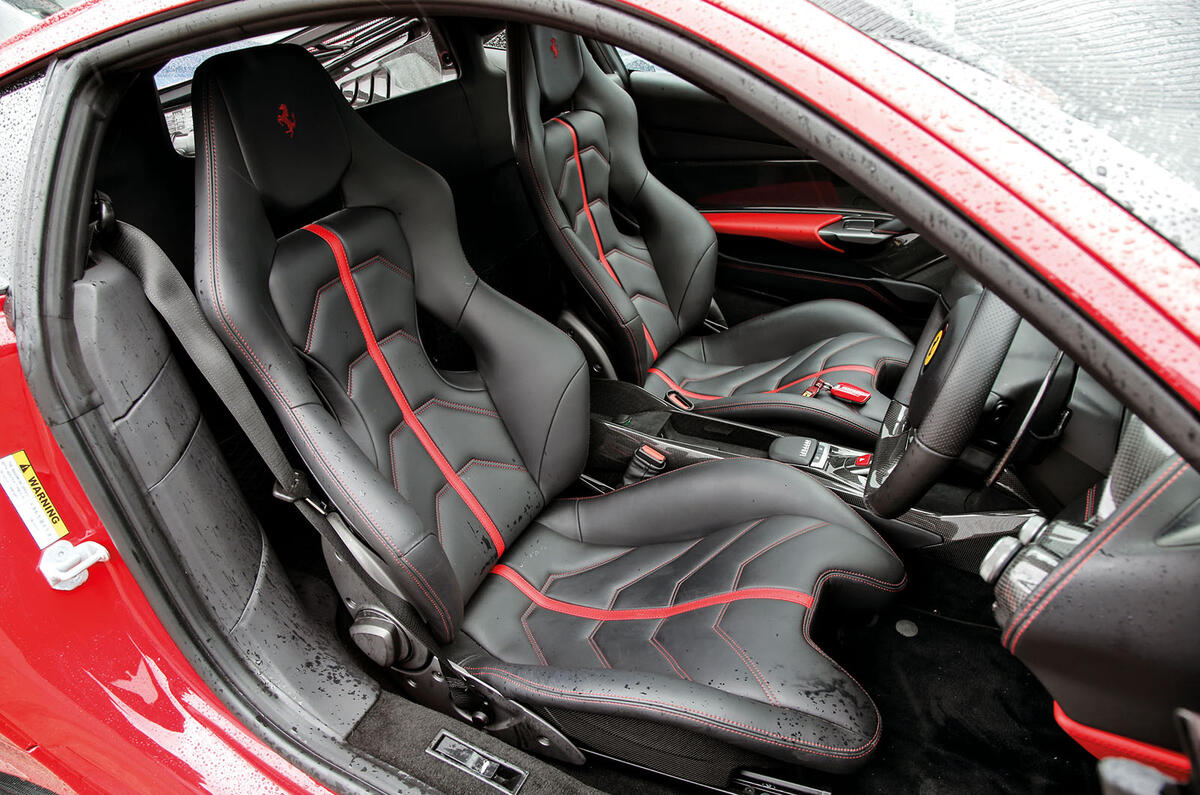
554 46
287 120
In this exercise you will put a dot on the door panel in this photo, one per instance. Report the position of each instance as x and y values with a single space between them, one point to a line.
790 229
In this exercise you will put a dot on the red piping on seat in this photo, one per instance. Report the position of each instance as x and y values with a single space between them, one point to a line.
650 342
1100 744
385 369
587 208
856 368
669 382
646 613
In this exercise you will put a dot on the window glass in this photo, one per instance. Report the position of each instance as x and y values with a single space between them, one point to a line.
636 63
1110 88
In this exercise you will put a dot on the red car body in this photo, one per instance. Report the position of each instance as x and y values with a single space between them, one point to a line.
97 697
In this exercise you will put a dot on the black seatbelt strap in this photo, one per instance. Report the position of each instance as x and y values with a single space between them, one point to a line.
438 683
170 295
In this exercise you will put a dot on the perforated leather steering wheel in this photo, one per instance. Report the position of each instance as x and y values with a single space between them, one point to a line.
940 399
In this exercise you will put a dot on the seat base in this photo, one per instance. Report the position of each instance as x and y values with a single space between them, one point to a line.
758 371
665 603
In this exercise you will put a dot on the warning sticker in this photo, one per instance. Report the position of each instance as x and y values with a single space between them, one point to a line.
22 486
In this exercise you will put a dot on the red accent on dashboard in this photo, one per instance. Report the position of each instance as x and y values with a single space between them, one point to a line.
1100 744
799 229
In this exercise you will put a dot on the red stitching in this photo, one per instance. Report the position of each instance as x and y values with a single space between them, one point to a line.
587 205
449 404
403 333
312 320
234 333
638 260
563 179
385 369
715 721
670 658
583 265
529 634
1109 533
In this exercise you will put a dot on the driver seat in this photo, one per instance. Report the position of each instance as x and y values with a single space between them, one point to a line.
647 261
667 622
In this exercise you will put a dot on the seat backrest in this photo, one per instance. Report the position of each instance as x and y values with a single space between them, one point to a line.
315 243
644 255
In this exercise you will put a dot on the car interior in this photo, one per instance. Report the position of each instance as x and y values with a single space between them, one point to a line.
663 456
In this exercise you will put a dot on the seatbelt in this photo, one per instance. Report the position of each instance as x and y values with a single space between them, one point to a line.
440 677
170 295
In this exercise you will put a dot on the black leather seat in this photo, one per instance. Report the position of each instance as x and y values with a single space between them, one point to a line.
676 610
575 133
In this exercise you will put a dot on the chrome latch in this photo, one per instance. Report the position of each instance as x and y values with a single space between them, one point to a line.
65 565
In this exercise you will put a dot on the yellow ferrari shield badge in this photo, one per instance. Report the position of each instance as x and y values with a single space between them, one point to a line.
933 346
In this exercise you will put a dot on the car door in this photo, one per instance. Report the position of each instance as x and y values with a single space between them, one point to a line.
789 229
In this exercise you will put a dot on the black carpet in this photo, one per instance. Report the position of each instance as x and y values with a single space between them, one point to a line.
960 714
398 731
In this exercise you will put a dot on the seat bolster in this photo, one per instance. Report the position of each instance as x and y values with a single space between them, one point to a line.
783 332
778 732
538 379
694 500
384 520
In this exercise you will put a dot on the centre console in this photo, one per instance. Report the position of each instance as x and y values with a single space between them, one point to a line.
626 419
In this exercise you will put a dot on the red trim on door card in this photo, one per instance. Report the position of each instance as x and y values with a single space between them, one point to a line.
645 613
799 229
385 369
1100 744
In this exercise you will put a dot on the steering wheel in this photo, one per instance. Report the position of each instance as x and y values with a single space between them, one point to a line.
940 399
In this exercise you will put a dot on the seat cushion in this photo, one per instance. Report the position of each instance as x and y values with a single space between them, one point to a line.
669 602
757 371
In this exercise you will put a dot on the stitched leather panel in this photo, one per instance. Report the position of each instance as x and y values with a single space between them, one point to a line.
757 649
734 375
465 425
667 268
626 254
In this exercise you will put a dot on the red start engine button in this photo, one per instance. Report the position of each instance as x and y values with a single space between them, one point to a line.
863 460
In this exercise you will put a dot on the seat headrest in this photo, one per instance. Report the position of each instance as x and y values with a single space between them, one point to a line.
286 116
558 61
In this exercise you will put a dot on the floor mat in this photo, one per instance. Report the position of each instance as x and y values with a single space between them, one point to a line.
960 714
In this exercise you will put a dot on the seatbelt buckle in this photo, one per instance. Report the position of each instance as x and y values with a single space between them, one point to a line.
646 462
678 400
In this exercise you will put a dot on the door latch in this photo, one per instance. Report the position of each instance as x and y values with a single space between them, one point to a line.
65 565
